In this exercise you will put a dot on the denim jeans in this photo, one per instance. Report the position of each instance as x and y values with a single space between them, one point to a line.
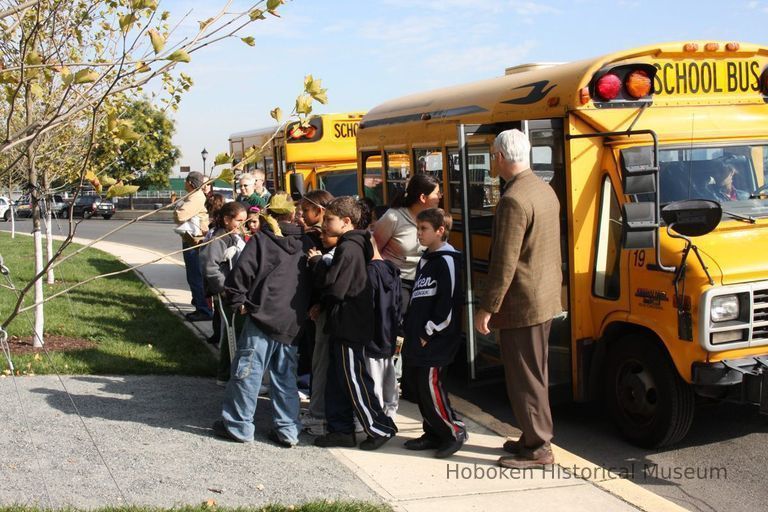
195 279
257 353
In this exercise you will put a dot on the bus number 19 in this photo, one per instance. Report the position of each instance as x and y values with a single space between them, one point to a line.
639 258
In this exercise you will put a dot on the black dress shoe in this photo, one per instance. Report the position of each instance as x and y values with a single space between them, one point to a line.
374 443
424 442
336 439
198 316
449 448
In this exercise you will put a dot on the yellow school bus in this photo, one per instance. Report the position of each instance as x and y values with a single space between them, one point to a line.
658 157
322 153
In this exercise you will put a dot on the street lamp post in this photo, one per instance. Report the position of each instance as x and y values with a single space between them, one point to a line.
204 154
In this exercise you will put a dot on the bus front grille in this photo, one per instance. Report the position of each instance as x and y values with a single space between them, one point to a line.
760 314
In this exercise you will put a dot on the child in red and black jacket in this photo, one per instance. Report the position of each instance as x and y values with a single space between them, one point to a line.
433 334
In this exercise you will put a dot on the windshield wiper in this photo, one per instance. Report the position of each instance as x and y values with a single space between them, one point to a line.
738 216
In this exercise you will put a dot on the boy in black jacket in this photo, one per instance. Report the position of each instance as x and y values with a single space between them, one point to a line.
271 286
347 295
433 333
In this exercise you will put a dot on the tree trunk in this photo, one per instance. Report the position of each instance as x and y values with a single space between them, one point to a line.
34 203
12 211
48 230
48 245
37 335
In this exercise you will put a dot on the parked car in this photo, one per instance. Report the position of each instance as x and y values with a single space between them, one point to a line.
23 207
5 208
57 204
88 206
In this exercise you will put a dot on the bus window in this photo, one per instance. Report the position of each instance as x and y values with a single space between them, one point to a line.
429 161
398 169
279 169
373 183
484 190
607 280
269 169
547 153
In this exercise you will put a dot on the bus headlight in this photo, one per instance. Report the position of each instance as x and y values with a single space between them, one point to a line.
724 308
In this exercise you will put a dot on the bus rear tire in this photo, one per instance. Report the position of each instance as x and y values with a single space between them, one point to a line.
649 402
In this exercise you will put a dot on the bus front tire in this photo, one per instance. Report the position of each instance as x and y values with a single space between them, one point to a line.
649 402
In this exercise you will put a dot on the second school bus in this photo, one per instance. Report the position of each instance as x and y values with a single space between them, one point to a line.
323 153
627 141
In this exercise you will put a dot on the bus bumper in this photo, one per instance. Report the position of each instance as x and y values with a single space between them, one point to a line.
739 380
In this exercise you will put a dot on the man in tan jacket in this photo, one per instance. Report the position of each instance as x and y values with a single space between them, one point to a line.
191 218
523 295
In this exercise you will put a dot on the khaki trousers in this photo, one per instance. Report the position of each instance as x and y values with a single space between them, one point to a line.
524 352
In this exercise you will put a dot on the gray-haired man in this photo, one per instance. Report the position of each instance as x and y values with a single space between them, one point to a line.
523 295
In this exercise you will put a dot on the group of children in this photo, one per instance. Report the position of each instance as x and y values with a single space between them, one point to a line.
328 271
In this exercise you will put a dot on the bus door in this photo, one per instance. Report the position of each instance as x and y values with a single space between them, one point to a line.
548 163
474 193
278 176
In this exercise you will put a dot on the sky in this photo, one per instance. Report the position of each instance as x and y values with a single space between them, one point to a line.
370 51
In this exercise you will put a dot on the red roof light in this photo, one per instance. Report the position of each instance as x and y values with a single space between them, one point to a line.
608 86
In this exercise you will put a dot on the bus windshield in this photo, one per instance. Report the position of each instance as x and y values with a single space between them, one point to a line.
339 183
731 175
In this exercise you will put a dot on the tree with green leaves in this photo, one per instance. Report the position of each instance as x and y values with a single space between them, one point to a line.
148 158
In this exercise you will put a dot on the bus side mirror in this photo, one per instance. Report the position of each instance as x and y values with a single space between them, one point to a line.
695 217
296 182
639 176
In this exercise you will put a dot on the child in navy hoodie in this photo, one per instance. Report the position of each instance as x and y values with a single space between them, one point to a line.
433 334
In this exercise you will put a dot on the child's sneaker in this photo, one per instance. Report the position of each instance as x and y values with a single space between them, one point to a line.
316 430
308 420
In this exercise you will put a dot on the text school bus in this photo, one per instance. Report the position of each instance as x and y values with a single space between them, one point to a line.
648 150
323 153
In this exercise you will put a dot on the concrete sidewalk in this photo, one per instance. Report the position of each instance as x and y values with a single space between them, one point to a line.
408 481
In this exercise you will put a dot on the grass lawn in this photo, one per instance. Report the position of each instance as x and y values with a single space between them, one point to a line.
131 330
313 506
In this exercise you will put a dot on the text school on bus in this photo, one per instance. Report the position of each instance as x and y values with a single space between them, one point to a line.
318 156
658 158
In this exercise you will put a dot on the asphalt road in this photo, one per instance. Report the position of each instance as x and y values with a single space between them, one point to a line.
157 236
724 453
